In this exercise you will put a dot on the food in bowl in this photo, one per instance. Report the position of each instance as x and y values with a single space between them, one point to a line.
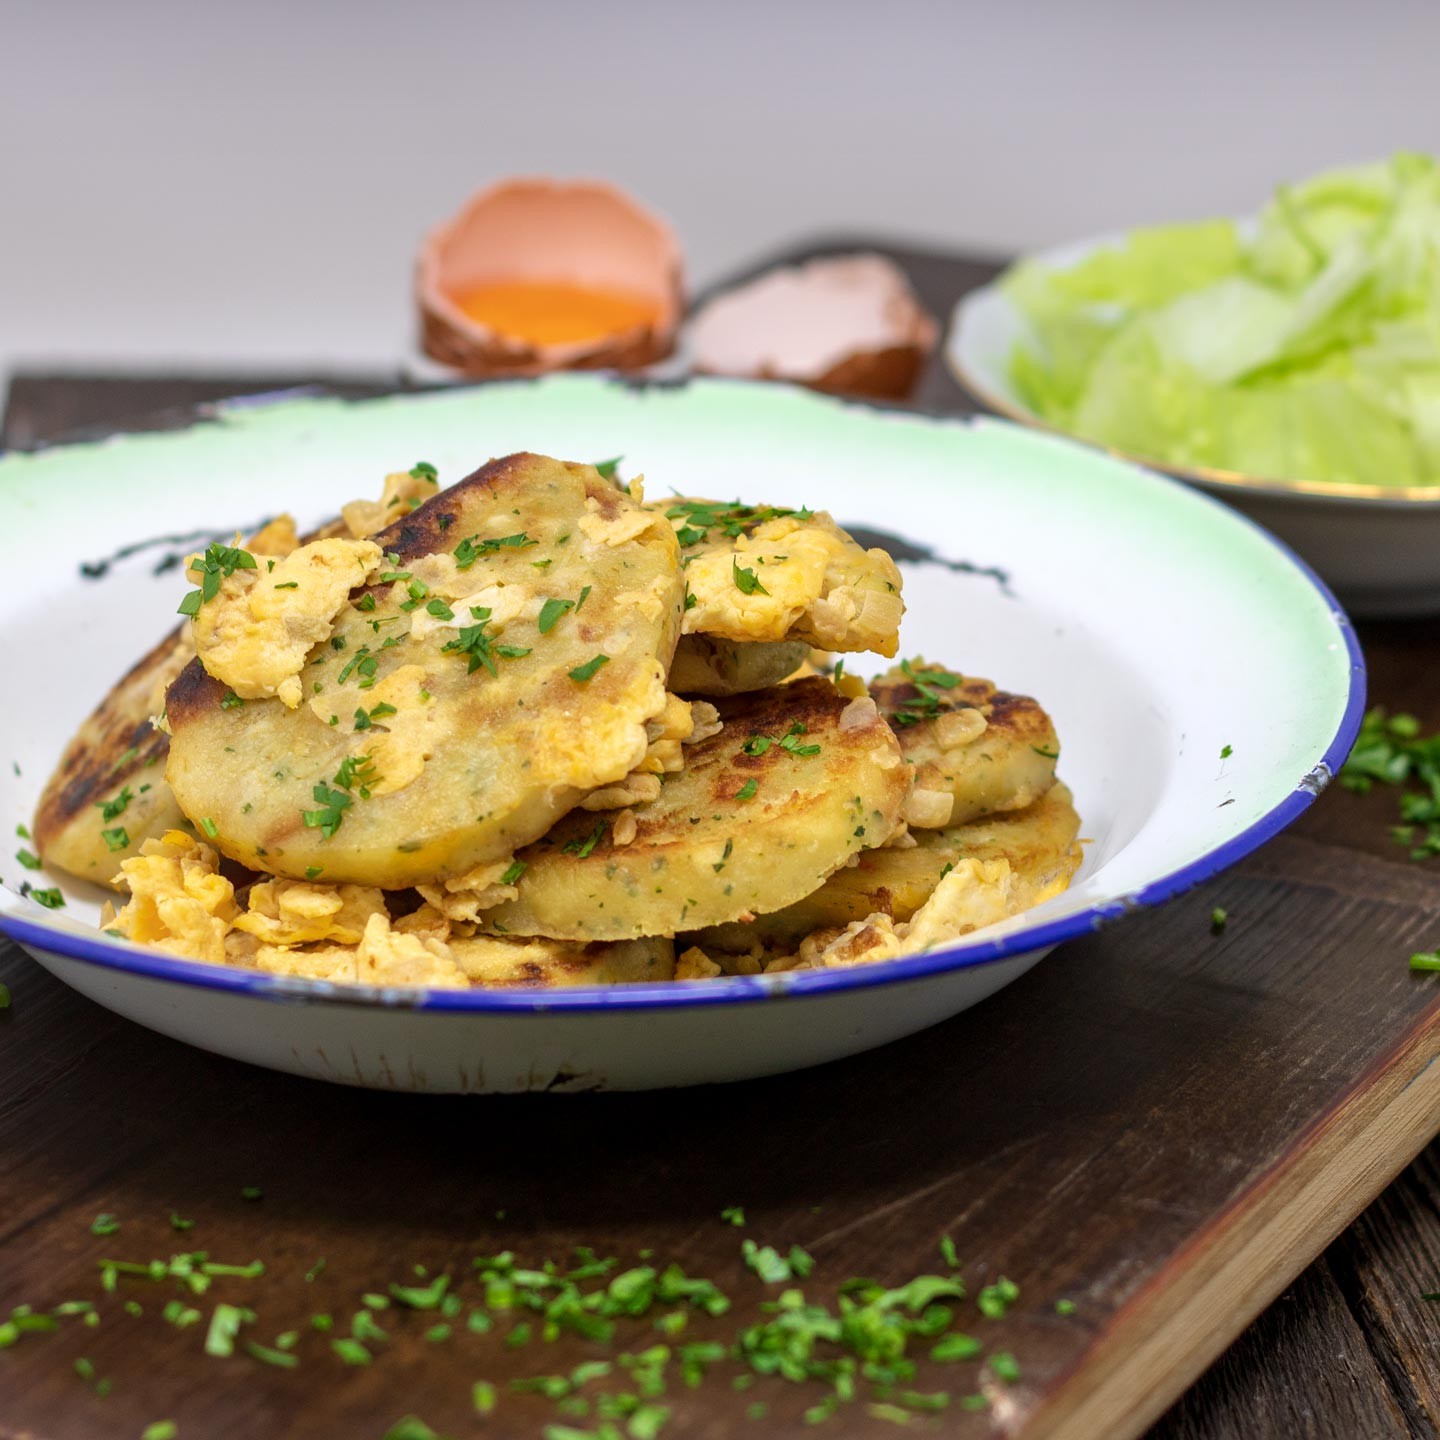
444 741
1304 346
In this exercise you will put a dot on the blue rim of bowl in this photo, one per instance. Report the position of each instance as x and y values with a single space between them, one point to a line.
744 989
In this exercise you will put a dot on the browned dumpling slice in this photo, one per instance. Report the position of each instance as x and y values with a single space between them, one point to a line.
1039 843
500 659
975 750
797 780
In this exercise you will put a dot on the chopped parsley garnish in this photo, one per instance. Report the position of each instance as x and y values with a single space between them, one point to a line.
581 673
725 855
699 517
366 601
584 596
581 846
28 858
551 612
209 826
607 468
475 644
364 719
746 581
51 899
1428 960
423 470
219 562
287 585
417 590
439 609
1218 919
116 839
733 1215
516 870
115 807
469 550
1047 753
747 790
104 1224
929 681
1064 1307
791 741
757 744
357 774
691 601
1226 751
314 872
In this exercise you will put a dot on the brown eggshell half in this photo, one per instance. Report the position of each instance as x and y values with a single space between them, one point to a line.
579 232
847 324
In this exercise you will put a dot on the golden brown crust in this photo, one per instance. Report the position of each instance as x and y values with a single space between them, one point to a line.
749 825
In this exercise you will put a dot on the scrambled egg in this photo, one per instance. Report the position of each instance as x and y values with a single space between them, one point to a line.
299 912
795 577
402 725
179 902
255 634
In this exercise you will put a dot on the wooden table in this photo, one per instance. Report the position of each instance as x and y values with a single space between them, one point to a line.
1070 1132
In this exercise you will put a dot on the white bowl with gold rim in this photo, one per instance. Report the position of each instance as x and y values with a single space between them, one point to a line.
1377 545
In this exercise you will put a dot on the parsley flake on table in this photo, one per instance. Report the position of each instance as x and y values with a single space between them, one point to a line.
28 858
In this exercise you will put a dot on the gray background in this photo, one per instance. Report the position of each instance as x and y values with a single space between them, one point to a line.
246 184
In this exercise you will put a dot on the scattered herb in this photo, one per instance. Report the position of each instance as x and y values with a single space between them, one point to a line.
469 550
746 581
115 807
423 470
1428 960
747 790
218 562
1391 750
105 1224
930 682
607 468
231 701
516 870
581 673
51 899
551 612
28 858
582 846
1218 918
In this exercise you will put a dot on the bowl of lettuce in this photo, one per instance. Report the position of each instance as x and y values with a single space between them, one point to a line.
1289 362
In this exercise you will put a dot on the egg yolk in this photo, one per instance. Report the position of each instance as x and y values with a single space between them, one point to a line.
545 312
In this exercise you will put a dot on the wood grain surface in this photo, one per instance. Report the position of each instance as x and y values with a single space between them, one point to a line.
1161 1124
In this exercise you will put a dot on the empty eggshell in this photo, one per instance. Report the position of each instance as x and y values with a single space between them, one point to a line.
848 324
551 233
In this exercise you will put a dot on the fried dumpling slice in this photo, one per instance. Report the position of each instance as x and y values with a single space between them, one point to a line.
108 795
797 780
1039 844
762 573
975 750
503 661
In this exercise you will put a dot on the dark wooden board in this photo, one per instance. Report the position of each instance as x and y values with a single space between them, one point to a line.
1163 1124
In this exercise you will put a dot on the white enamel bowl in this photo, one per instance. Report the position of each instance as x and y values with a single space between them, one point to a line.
1157 626
1377 545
